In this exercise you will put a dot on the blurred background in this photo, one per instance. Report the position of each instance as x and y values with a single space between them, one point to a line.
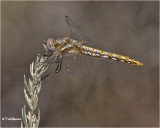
114 94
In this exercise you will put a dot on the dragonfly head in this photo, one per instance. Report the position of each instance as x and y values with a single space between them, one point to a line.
49 45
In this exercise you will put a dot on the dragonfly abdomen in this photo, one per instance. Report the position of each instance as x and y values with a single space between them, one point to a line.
107 55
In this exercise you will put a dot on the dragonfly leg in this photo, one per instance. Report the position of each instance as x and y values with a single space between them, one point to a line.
53 60
45 76
48 55
54 72
58 69
59 66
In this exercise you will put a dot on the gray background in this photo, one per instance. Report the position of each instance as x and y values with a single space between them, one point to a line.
114 94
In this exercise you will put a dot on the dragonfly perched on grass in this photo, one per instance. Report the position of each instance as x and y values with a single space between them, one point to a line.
81 48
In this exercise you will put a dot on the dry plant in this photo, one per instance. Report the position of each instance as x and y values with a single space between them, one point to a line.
31 112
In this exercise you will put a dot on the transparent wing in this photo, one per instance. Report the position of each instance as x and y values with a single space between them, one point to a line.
81 65
75 32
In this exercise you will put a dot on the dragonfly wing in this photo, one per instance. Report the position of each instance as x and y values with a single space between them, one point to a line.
81 65
76 33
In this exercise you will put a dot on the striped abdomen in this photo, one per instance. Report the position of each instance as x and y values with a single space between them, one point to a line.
106 55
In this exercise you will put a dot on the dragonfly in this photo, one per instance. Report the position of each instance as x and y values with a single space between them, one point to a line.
78 45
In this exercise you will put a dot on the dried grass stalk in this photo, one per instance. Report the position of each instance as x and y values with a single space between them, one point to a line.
31 112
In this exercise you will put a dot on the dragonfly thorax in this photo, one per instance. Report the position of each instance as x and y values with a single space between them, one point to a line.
64 45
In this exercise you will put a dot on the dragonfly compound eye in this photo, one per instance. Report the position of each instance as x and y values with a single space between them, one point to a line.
50 44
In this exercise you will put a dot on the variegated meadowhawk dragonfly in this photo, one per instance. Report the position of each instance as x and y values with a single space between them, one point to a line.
78 45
